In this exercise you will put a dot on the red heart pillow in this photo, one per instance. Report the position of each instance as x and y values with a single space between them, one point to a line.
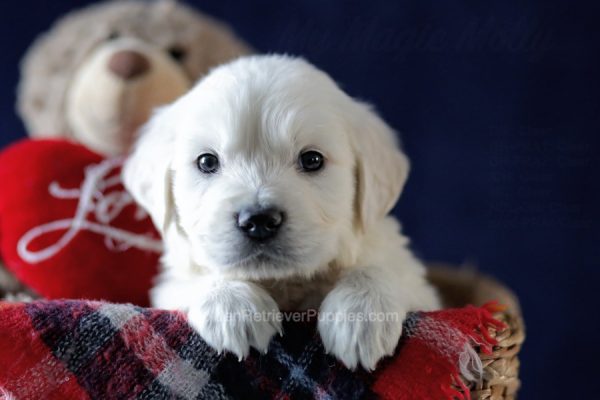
68 228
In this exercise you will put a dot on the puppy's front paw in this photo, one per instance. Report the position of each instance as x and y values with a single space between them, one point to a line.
359 328
235 316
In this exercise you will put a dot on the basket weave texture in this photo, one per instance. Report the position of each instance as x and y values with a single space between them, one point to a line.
459 287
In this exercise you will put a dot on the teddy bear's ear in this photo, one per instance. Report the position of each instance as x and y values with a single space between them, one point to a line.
223 46
216 42
42 89
147 171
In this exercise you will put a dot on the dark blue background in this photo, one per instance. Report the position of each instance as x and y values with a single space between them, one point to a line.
499 109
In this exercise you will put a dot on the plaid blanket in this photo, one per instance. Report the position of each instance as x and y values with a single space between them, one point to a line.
82 349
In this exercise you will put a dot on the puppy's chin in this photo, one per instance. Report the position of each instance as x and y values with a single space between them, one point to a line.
262 264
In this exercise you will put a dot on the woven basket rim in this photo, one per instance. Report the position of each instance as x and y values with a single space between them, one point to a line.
461 286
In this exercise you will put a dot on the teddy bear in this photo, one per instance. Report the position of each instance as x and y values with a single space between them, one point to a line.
99 72
96 76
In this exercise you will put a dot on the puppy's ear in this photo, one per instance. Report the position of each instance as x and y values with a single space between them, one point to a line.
381 167
147 171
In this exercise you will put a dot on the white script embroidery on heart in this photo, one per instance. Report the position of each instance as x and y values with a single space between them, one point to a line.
105 207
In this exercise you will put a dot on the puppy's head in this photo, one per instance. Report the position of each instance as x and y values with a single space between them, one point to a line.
266 169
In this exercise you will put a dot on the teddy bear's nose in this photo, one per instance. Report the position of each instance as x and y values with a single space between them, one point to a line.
128 64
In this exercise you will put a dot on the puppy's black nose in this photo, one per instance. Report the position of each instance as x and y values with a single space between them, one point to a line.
260 224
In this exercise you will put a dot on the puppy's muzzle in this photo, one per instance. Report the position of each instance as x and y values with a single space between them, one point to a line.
260 224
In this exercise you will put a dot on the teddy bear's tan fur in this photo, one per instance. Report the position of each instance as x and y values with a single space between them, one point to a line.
68 90
66 75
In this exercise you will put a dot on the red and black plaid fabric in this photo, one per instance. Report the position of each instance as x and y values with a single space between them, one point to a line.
82 349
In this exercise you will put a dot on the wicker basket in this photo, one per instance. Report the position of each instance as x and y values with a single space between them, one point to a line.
459 287
11 289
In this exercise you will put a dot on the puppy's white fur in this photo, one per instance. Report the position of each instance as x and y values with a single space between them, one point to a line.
337 248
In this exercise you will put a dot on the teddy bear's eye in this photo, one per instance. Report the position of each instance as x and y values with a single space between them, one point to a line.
113 35
177 53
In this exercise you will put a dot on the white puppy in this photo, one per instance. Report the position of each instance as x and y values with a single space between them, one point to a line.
271 188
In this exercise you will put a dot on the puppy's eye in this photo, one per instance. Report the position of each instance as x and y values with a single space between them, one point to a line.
208 163
311 161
